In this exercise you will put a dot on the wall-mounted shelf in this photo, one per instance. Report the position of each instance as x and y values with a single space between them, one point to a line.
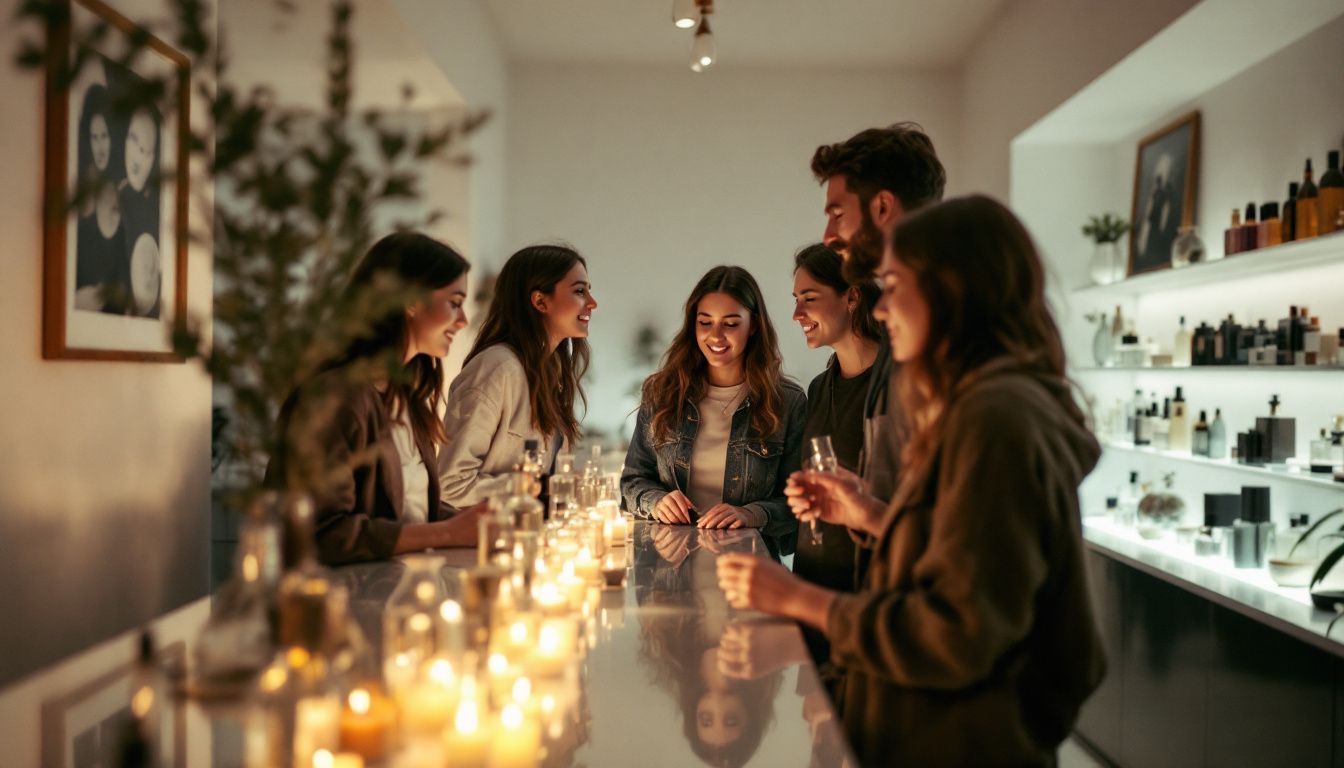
1203 369
1290 474
1278 259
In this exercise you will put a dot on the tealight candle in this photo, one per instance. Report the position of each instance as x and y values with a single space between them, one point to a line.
575 588
586 566
324 759
316 727
468 741
519 740
613 571
555 648
366 724
550 599
616 530
426 707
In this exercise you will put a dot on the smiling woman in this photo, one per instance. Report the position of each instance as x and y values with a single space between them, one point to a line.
719 427
522 377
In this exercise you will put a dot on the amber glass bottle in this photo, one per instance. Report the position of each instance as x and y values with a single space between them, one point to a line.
1308 207
1331 194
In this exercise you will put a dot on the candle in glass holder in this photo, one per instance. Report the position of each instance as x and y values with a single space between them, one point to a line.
550 600
317 722
366 724
324 759
516 639
586 566
613 571
555 648
615 530
518 740
426 706
575 588
468 741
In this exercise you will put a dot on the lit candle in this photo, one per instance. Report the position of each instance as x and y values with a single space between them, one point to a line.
366 724
468 741
519 740
550 599
324 759
502 675
619 529
422 752
613 571
426 707
317 721
555 648
575 588
586 566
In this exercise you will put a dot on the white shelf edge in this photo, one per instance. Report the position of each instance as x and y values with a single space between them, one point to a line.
1292 476
1277 259
1226 369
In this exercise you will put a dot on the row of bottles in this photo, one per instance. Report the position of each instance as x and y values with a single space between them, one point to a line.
1309 211
1296 340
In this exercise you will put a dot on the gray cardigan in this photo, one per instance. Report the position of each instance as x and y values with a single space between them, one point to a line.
488 418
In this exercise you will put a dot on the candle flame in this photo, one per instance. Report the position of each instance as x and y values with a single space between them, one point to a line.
518 632
251 568
512 716
441 671
451 611
568 570
497 664
359 701
522 690
548 704
273 678
142 701
419 623
549 639
424 591
467 720
323 759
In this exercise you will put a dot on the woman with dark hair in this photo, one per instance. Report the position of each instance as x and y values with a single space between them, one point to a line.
835 314
360 434
972 640
522 376
719 428
102 278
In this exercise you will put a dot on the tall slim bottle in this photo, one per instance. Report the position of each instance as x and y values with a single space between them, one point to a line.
1331 194
1308 207
1178 434
1232 235
1288 216
1180 349
1218 436
1250 230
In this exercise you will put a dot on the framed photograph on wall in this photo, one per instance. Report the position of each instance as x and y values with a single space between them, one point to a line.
115 230
1166 176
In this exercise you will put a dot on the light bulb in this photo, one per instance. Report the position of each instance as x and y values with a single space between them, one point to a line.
702 52
685 13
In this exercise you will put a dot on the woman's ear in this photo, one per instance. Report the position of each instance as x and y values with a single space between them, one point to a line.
852 299
539 302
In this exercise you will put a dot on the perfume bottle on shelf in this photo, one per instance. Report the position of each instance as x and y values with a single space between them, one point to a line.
1320 453
1187 248
1181 346
1162 427
1218 436
1270 232
1232 235
1288 214
1199 445
1128 507
1178 431
1252 532
1330 194
1308 207
1250 230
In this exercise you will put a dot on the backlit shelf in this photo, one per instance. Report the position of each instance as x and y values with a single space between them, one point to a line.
1319 251
1203 369
1279 472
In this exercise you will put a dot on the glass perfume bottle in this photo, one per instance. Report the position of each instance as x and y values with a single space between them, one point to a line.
1218 436
522 508
563 488
1187 248
1181 346
1199 443
414 620
1103 343
1322 454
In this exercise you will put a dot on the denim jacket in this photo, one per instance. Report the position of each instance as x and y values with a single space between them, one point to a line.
755 471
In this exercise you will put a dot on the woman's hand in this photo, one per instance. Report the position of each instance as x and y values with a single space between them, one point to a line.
835 497
754 649
723 515
752 582
673 509
672 544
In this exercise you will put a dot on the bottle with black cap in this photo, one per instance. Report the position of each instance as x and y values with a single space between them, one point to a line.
1128 508
1251 533
1278 434
136 745
1331 194
1250 230
1308 207
1199 439
1178 430
1288 215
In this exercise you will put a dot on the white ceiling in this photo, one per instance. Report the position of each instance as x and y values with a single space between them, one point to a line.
905 33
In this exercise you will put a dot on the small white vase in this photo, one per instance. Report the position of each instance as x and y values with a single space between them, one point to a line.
1106 267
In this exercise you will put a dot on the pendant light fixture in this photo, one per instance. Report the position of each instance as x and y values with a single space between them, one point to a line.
685 14
703 53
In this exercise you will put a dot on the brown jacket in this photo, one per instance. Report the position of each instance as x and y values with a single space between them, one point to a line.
973 642
358 504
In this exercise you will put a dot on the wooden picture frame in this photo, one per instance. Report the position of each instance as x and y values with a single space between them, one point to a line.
115 268
1167 165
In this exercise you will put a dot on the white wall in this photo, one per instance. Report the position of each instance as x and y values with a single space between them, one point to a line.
104 469
1034 55
656 174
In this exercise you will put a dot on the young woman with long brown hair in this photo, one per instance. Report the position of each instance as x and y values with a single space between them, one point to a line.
719 427
972 640
523 375
361 433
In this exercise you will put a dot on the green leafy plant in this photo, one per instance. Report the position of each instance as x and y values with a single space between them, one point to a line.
293 206
1106 228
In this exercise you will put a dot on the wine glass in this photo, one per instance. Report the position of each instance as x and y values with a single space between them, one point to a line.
823 460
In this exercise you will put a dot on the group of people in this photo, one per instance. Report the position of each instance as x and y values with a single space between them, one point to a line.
944 586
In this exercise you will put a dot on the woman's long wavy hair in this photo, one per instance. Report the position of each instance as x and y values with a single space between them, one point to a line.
399 270
683 377
979 273
554 379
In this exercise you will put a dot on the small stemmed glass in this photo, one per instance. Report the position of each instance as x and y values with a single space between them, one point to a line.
823 460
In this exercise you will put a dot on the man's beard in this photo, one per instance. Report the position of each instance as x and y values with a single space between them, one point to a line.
863 251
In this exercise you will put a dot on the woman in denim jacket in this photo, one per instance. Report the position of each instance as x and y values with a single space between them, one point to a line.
719 428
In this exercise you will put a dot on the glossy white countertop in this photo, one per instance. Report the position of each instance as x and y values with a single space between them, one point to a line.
1248 591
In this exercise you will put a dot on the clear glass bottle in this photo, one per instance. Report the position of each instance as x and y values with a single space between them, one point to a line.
1127 509
1187 248
1321 458
1218 436
495 542
413 634
563 488
520 506
1181 346
1103 343
1199 444
309 628
238 641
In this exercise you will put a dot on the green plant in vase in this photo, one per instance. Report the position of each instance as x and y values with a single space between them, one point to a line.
1105 232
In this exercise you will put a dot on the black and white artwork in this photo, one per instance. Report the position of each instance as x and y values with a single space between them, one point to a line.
1164 193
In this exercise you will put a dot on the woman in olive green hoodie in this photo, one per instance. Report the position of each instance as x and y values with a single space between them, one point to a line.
973 640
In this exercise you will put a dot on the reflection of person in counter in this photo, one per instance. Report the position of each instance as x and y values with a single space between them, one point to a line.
838 315
102 281
140 209
723 719
360 434
972 640
719 426
523 375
